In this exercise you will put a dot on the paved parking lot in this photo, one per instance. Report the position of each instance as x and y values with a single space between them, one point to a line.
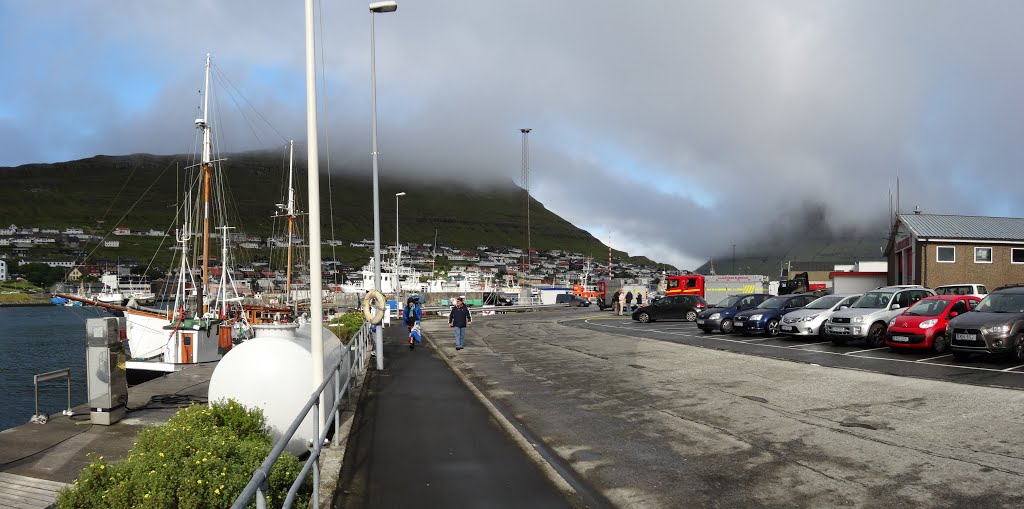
992 371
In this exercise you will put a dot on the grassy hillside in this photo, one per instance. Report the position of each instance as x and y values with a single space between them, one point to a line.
139 191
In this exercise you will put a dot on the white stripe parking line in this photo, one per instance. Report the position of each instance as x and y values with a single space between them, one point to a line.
868 350
755 339
933 358
826 352
798 345
1013 368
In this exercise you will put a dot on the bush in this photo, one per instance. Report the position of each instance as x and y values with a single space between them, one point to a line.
203 457
346 325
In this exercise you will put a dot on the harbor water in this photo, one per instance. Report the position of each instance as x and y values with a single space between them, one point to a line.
36 340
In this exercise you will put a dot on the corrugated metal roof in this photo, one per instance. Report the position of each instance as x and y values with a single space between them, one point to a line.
964 227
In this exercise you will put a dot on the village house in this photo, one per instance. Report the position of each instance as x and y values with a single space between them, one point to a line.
935 250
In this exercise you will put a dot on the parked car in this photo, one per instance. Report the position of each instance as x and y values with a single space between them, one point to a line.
572 300
674 307
721 315
996 326
974 289
766 317
810 319
923 325
869 316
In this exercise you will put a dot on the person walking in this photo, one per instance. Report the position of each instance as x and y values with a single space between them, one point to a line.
413 315
616 302
629 302
459 318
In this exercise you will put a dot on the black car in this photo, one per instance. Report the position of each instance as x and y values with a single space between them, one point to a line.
572 300
720 317
765 318
996 326
673 307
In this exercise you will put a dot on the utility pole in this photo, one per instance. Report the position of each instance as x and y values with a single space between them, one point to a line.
526 191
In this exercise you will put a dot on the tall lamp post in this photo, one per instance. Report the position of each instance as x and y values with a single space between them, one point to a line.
376 7
398 248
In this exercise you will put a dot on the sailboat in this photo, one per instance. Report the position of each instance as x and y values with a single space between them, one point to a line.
205 320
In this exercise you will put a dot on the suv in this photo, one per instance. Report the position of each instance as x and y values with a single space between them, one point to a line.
765 318
974 289
678 307
868 318
720 317
996 326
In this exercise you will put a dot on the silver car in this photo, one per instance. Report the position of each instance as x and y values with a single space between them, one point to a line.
808 321
868 317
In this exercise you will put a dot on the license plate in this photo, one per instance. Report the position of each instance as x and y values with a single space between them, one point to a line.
966 337
787 327
901 339
837 329
700 322
738 322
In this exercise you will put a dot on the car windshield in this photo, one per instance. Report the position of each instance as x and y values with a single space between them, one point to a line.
728 302
773 303
825 302
954 290
1002 303
927 307
873 300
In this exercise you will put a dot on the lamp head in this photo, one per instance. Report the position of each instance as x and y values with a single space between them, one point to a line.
385 6
400 194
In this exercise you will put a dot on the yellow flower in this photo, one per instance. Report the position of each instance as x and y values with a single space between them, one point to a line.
197 462
102 467
161 455
199 481
147 495
217 491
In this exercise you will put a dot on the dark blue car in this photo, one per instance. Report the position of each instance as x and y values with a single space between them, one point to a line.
765 318
720 317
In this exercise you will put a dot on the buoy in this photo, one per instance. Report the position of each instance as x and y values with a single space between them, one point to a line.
374 307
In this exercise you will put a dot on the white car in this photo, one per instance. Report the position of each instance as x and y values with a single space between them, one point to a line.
809 320
974 289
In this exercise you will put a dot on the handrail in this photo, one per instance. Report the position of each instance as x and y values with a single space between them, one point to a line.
45 377
258 482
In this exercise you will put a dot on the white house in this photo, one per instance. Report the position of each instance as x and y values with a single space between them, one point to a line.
10 230
73 231
111 243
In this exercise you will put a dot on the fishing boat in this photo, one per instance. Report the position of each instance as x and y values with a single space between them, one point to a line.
206 318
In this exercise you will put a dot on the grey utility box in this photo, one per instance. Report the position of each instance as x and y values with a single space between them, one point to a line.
105 372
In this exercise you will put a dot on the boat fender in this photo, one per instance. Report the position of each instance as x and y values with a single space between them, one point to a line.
373 307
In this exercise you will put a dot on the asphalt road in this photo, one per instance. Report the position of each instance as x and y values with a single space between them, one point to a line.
648 420
981 370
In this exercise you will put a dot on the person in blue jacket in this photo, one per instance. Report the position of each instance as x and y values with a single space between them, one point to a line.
413 316
459 319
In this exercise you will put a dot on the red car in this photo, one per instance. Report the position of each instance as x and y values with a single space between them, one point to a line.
923 325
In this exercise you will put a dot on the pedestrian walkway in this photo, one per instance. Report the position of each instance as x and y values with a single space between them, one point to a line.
422 439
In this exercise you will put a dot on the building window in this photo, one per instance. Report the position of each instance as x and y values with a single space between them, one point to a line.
982 255
1017 255
945 254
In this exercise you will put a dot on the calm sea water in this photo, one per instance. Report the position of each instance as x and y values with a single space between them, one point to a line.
36 340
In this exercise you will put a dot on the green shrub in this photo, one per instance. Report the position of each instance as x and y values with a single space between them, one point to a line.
346 325
203 457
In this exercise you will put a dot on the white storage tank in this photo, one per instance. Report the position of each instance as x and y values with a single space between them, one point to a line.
273 371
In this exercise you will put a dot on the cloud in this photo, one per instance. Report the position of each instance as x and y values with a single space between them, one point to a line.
670 125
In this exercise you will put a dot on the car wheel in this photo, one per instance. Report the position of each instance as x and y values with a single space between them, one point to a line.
839 341
691 316
940 344
876 336
727 326
1018 349
961 356
643 318
772 328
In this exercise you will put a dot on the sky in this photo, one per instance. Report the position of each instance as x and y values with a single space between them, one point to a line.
673 129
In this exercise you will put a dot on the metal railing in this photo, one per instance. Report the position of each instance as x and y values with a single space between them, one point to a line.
352 362
45 377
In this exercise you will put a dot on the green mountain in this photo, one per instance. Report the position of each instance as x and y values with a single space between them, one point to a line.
140 192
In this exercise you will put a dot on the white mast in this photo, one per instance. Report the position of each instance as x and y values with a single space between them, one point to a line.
291 222
316 308
224 270
202 123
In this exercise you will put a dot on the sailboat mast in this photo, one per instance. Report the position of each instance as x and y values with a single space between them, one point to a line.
291 222
224 270
207 170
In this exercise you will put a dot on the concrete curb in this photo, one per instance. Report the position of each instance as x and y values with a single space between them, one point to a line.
549 471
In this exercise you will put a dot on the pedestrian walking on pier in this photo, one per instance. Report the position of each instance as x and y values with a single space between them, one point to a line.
413 315
459 319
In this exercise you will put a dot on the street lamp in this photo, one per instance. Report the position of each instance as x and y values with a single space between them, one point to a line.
398 247
375 7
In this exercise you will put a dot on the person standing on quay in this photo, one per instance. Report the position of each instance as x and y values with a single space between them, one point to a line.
616 302
459 319
413 315
629 302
